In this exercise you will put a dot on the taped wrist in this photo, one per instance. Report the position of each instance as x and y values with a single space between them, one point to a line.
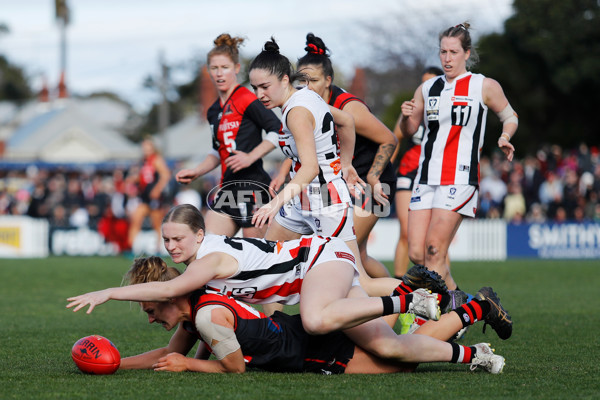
508 115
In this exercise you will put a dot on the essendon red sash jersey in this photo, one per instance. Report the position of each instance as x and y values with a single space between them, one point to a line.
409 163
237 125
454 116
277 343
364 148
148 174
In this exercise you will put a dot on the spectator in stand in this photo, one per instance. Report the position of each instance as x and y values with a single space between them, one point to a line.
532 180
536 214
493 188
514 204
570 192
550 194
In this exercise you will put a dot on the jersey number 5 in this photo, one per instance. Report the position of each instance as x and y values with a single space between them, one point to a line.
229 141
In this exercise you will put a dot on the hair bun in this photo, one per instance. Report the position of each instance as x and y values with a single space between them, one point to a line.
271 46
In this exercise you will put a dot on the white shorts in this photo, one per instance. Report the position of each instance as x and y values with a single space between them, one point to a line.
334 250
336 220
458 198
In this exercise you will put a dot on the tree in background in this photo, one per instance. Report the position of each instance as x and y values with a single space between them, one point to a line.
14 85
548 60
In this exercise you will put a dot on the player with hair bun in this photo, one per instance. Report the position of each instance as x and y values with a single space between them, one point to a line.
237 119
454 108
374 146
317 199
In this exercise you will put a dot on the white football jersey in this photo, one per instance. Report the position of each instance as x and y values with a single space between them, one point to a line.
270 271
454 116
327 187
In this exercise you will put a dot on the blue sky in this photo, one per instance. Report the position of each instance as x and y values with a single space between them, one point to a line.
114 44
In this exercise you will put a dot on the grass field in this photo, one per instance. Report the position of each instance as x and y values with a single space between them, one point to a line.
553 353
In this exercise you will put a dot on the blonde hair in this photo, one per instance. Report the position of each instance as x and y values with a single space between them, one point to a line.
461 31
150 269
226 45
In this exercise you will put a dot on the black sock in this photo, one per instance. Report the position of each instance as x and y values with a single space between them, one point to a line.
462 354
473 311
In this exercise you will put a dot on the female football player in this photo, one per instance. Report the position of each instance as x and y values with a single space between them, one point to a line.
453 108
240 336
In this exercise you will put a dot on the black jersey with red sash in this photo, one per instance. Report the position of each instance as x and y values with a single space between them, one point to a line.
237 125
277 343
364 148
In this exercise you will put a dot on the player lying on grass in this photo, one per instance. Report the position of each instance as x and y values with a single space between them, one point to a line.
316 272
240 336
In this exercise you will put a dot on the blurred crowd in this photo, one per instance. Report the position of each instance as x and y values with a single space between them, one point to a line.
554 185
101 200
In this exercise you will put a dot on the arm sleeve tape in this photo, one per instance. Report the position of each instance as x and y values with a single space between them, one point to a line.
508 115
273 137
227 342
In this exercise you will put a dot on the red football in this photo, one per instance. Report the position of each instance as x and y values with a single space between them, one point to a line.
96 355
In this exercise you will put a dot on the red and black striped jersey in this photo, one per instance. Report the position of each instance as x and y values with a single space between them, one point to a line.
237 125
278 343
364 148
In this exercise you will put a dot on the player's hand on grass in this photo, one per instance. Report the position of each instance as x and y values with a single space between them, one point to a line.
173 362
92 299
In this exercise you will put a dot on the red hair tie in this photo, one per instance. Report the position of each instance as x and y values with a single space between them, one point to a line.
314 49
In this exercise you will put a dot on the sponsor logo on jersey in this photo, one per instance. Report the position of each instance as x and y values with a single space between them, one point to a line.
415 199
228 126
465 168
452 191
460 99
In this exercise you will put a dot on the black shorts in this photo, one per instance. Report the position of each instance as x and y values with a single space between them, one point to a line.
328 354
153 203
239 200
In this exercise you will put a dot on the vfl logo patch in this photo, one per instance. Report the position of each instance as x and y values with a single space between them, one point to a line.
415 199
466 317
433 108
347 256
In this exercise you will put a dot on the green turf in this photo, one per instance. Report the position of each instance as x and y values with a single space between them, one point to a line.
553 352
